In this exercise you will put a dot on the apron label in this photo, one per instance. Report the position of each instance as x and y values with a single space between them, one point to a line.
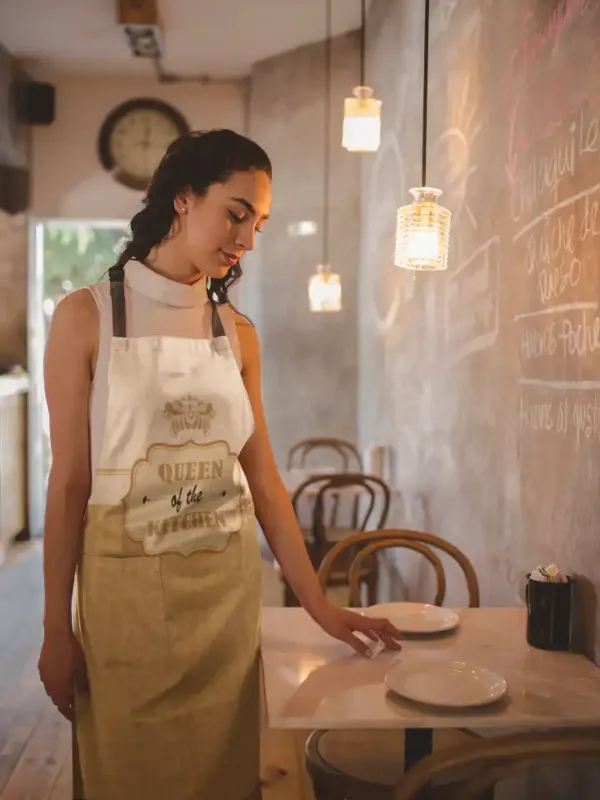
189 414
184 498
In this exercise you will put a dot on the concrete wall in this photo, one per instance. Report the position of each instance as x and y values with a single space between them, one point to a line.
309 360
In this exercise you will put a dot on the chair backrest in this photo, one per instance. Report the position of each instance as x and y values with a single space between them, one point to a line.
345 451
482 763
357 566
420 537
353 486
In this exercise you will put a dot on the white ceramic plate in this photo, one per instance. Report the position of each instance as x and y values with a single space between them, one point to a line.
415 617
451 684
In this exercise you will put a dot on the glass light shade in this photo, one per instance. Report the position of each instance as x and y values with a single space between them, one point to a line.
423 232
362 121
325 290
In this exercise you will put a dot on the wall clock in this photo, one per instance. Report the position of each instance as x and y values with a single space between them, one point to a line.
134 137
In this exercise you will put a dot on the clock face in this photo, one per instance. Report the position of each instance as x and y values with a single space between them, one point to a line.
134 138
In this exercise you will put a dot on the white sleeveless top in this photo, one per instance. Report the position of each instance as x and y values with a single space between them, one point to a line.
154 306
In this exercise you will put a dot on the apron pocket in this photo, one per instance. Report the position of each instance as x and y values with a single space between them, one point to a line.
122 610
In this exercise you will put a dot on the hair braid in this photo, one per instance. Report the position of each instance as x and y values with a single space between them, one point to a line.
148 227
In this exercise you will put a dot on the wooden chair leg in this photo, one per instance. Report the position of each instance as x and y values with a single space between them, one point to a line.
290 600
372 590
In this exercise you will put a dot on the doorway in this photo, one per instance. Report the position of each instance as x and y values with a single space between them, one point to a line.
64 255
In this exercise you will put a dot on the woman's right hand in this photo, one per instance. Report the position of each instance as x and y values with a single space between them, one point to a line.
61 667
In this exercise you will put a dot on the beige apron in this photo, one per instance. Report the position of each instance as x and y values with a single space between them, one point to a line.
168 586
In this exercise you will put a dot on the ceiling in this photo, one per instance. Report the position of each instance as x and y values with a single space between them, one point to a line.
220 38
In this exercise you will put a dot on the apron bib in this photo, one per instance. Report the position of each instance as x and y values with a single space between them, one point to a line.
169 580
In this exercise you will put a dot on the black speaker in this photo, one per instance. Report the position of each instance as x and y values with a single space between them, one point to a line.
34 103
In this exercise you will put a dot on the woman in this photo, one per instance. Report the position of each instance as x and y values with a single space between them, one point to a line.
154 507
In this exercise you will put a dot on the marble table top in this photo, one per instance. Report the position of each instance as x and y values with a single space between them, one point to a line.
312 681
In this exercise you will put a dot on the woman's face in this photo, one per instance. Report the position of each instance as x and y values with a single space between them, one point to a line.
217 229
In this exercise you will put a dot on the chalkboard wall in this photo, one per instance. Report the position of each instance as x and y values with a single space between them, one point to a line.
486 379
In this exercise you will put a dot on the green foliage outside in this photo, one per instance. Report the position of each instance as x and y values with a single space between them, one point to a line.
76 256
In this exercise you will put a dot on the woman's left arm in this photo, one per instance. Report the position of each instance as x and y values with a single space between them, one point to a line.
278 521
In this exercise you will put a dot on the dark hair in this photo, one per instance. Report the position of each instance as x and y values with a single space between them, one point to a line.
192 162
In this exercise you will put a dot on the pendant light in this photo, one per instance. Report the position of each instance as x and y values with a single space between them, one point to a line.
325 287
325 290
423 227
361 131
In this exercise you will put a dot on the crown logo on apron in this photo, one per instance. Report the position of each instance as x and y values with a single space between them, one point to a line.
189 414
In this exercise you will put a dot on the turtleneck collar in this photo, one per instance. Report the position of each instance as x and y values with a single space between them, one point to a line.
164 290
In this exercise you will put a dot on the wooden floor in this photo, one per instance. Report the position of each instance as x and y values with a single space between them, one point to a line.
35 741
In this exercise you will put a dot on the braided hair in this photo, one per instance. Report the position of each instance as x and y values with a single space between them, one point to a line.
192 162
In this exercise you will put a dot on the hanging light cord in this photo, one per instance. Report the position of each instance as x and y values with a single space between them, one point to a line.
363 41
326 116
425 82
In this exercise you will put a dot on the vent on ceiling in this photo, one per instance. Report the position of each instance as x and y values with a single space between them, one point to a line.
139 21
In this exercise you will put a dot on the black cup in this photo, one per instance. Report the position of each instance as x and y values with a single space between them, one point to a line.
549 614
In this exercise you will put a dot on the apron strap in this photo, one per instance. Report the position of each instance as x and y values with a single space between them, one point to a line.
217 324
116 276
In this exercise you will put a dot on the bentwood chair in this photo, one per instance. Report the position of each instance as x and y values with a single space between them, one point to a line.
341 504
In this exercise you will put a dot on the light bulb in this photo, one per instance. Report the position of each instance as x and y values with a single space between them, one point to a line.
325 290
361 131
423 232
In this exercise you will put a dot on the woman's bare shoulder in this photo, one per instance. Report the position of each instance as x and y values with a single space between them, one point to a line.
78 305
248 338
75 322
240 320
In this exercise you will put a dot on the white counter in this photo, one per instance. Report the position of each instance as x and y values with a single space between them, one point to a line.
13 384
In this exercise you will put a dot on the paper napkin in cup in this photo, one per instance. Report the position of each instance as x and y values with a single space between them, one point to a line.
549 574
